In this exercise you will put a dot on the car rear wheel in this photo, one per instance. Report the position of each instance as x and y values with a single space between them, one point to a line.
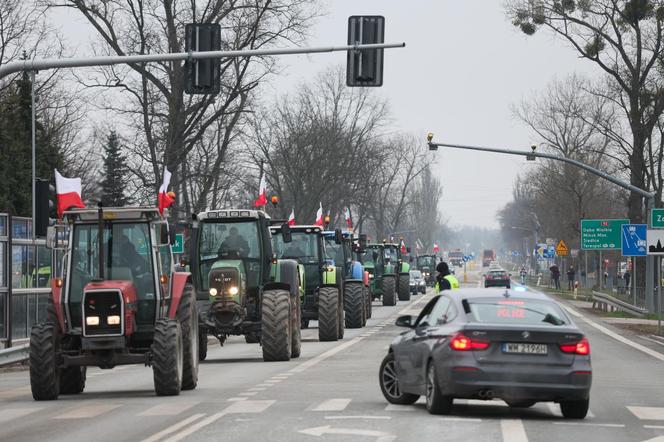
574 409
436 402
389 383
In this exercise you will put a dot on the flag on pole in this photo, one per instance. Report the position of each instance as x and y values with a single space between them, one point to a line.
319 215
436 249
68 192
403 246
291 218
165 198
262 192
349 218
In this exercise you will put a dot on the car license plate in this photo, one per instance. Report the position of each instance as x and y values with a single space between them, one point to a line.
527 349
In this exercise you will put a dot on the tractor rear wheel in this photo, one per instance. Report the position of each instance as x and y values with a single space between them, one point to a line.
369 301
44 370
328 314
72 380
389 291
202 345
187 316
404 288
296 332
353 304
167 357
276 325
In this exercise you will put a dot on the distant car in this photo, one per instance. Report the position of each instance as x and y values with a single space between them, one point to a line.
417 282
517 346
497 278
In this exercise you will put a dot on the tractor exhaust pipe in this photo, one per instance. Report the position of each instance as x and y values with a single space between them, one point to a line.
100 239
486 395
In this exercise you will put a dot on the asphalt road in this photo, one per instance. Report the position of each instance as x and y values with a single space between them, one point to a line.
331 393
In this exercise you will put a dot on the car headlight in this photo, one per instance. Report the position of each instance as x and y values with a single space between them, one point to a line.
371 276
92 320
233 291
213 292
113 320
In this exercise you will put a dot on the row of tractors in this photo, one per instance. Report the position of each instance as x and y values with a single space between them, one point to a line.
117 297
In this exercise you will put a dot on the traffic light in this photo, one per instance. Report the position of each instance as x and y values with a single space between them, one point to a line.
44 206
202 76
365 67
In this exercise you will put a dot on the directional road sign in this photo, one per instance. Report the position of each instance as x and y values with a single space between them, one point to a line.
657 218
601 234
178 246
655 242
561 248
633 239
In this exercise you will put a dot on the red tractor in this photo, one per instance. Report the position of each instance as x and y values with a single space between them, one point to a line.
115 300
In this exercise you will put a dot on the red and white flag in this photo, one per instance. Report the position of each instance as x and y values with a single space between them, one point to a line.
349 218
165 198
403 247
262 193
319 215
68 191
436 249
291 218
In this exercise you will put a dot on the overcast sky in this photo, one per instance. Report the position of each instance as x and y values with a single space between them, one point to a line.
464 65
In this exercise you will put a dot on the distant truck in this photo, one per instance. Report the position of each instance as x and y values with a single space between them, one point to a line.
487 257
456 258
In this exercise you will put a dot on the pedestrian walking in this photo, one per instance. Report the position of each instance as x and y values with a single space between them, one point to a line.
555 276
571 274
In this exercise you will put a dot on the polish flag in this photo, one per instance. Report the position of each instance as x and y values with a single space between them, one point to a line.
68 192
349 218
319 215
291 218
165 198
403 247
262 193
436 249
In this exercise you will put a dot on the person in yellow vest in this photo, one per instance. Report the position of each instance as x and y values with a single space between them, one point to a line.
445 280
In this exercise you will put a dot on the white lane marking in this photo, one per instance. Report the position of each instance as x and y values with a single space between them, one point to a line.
249 393
647 413
257 389
358 417
380 436
168 409
461 419
283 378
397 407
513 430
236 399
264 385
15 413
88 411
237 407
273 381
617 337
590 424
654 427
174 428
338 404
285 374
321 357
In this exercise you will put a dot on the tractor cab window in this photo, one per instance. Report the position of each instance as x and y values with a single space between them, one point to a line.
334 252
303 248
127 256
391 254
238 240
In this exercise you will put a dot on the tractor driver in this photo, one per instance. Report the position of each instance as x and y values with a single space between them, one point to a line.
125 253
234 244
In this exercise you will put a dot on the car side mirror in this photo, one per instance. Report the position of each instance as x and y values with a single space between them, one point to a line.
286 234
405 321
338 236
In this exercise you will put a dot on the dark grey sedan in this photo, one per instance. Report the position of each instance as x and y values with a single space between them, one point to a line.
517 346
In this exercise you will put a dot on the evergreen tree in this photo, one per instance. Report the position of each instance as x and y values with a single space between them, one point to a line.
115 173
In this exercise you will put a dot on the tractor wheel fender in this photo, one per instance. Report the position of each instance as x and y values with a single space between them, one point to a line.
178 282
56 313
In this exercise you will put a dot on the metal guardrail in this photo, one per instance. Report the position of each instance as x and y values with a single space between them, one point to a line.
13 355
603 298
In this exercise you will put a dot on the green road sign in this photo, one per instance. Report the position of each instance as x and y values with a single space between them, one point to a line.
657 218
178 247
601 234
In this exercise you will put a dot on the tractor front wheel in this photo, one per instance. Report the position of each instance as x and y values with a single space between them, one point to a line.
187 316
389 291
44 370
353 304
72 380
202 345
167 357
328 314
404 287
369 301
276 325
296 332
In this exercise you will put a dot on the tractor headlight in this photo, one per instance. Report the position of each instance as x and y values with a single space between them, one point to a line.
113 320
92 320
233 291
213 292
371 276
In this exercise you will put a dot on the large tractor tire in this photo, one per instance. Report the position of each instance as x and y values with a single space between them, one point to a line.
296 332
369 301
44 370
72 380
187 316
342 313
354 304
202 345
389 290
328 314
276 325
404 287
167 357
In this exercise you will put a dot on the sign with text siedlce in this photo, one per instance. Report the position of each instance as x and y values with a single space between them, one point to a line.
601 234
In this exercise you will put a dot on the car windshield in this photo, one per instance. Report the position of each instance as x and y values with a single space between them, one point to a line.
415 274
303 247
127 256
516 311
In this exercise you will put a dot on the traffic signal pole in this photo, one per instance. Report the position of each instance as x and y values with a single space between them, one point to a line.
649 197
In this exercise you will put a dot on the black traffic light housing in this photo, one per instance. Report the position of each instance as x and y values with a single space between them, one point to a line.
202 76
365 67
44 206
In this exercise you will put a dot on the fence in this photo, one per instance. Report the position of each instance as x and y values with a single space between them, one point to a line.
25 273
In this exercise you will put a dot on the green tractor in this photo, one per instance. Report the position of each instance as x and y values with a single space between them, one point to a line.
427 265
323 298
241 289
382 273
394 253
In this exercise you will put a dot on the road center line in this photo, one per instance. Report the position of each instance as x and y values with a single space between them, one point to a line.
513 430
174 428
